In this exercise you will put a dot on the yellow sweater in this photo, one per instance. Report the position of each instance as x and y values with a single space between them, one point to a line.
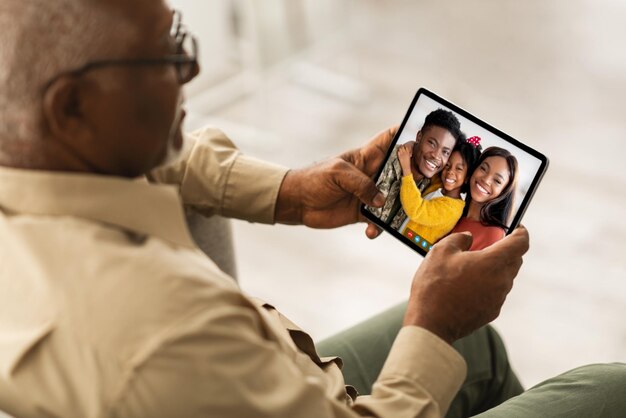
430 219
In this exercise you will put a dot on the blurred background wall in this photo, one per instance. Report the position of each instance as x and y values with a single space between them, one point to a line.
297 81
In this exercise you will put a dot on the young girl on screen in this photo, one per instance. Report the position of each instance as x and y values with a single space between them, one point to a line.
490 201
433 216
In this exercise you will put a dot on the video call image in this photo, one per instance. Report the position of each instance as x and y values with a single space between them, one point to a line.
448 174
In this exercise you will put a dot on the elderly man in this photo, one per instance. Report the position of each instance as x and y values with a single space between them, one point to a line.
110 310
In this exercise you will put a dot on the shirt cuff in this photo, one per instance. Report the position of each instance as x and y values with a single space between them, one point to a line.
252 189
418 355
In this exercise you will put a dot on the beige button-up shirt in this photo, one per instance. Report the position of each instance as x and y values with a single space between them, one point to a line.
108 309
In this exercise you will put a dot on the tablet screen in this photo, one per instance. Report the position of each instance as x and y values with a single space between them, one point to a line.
448 171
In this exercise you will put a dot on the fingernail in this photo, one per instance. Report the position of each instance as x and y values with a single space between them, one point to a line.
379 199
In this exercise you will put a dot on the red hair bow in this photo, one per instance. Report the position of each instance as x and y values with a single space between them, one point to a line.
475 141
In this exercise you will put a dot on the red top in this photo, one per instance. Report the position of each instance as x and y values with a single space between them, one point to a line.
483 235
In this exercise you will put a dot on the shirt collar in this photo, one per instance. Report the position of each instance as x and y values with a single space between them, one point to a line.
134 205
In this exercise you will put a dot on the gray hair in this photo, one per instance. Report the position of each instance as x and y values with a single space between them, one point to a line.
40 39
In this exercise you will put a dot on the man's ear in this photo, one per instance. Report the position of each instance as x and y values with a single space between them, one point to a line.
418 137
62 110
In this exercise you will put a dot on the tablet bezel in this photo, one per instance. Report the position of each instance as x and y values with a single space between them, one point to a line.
451 106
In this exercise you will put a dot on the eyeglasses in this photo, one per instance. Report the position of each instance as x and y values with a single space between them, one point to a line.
185 58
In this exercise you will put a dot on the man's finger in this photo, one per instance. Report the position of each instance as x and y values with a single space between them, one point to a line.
374 152
461 241
515 244
372 231
384 138
355 182
370 157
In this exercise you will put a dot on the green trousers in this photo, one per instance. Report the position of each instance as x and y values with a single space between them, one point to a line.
491 388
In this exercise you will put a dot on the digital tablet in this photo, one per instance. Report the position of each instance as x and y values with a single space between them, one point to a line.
449 171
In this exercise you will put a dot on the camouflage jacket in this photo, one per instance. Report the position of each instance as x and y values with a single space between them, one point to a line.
389 184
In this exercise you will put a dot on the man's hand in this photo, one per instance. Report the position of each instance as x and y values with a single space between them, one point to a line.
456 291
328 194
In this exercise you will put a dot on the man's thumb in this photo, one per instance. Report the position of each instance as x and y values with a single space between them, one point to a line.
461 240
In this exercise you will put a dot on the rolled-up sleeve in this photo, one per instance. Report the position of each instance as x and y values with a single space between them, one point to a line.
214 177
218 363
420 378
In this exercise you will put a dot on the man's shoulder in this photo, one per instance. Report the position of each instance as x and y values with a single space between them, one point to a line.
104 299
393 157
112 280
392 171
149 280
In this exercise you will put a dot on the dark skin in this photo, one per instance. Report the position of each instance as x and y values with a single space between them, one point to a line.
431 150
117 121
112 120
454 290
329 194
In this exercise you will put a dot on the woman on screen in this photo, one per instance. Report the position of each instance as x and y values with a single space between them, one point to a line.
434 215
491 198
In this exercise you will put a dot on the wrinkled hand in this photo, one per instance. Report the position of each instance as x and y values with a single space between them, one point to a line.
328 194
405 152
455 291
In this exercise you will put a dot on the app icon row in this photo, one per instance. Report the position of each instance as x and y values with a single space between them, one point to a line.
419 240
